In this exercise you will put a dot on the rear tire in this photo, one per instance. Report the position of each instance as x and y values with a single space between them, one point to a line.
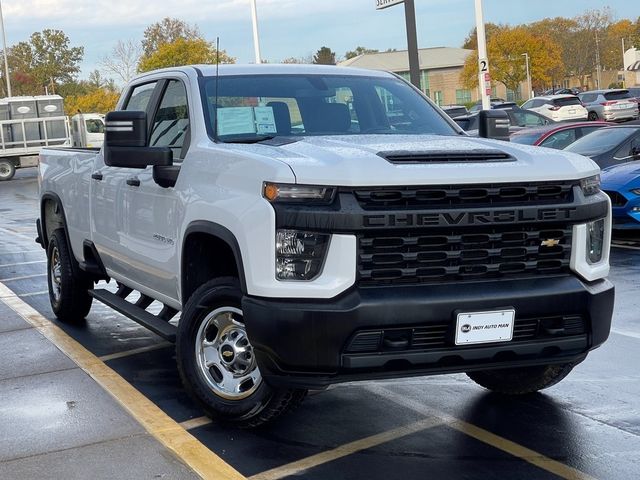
68 285
7 170
593 116
217 364
520 381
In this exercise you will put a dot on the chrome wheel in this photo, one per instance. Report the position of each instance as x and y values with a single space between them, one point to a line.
55 272
225 356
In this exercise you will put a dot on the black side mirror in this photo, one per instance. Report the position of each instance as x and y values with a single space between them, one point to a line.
125 142
494 124
635 153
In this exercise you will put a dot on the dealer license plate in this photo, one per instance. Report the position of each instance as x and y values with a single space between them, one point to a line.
485 327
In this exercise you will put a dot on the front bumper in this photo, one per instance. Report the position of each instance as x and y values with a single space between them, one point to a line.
309 343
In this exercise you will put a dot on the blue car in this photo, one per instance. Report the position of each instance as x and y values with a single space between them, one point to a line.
622 184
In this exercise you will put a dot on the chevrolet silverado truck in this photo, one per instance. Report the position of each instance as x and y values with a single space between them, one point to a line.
303 226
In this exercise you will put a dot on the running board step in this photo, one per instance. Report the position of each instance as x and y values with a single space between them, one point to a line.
137 314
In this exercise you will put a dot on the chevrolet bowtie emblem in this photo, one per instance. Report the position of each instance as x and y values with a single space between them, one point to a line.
550 242
227 354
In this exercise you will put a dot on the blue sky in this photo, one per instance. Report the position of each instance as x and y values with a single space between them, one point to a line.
288 28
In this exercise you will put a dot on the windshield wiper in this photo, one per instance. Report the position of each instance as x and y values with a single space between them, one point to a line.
252 139
273 140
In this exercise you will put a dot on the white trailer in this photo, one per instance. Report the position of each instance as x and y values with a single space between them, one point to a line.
19 150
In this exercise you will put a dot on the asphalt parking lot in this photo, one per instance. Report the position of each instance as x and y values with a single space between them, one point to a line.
61 421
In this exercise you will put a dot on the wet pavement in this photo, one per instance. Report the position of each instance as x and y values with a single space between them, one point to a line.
55 422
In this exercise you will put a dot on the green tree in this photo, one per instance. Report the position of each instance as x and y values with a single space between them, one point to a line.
359 51
325 56
168 30
183 52
47 59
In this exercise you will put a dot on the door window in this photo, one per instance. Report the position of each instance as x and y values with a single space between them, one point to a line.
171 123
560 140
139 98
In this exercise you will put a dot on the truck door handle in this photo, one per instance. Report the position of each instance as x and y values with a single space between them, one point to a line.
133 182
97 176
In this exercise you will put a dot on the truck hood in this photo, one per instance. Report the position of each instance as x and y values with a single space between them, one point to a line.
355 160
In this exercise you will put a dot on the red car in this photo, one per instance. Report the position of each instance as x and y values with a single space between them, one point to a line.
557 135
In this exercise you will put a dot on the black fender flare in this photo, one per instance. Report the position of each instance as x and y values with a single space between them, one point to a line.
224 234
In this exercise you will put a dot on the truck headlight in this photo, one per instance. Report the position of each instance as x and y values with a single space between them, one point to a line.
595 241
299 255
292 193
590 185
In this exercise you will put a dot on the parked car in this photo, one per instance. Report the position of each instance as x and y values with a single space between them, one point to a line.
557 107
495 103
520 119
455 111
558 136
613 105
610 145
622 184
562 91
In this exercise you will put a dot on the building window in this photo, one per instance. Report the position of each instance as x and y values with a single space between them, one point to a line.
463 96
437 97
494 91
513 95
424 81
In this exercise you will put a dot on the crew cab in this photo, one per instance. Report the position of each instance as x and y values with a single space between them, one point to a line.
311 225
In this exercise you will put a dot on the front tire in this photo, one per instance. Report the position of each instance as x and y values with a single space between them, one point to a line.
216 360
7 170
68 286
520 381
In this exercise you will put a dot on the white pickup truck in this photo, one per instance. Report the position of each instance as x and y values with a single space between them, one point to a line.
316 225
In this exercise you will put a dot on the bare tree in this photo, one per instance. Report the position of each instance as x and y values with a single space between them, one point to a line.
123 60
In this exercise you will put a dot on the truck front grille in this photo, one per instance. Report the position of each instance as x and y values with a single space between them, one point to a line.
539 193
458 255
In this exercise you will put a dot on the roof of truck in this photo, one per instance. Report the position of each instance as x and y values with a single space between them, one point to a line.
271 69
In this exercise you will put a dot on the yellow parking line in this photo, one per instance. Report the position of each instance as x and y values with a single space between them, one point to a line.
168 432
135 351
531 456
195 423
295 468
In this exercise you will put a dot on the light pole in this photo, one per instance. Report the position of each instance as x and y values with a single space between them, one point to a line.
4 51
526 59
256 38
484 79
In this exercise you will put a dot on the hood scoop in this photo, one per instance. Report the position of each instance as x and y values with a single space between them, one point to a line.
446 156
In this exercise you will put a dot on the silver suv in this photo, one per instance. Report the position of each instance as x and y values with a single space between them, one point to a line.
610 105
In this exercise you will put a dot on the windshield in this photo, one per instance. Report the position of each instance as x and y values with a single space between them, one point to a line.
254 108
566 101
617 95
600 141
526 138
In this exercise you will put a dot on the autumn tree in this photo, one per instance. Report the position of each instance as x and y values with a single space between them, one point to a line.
324 56
359 51
471 40
168 30
99 100
183 52
507 64
123 60
46 59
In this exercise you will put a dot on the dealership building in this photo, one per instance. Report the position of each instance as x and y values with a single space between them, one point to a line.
440 69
